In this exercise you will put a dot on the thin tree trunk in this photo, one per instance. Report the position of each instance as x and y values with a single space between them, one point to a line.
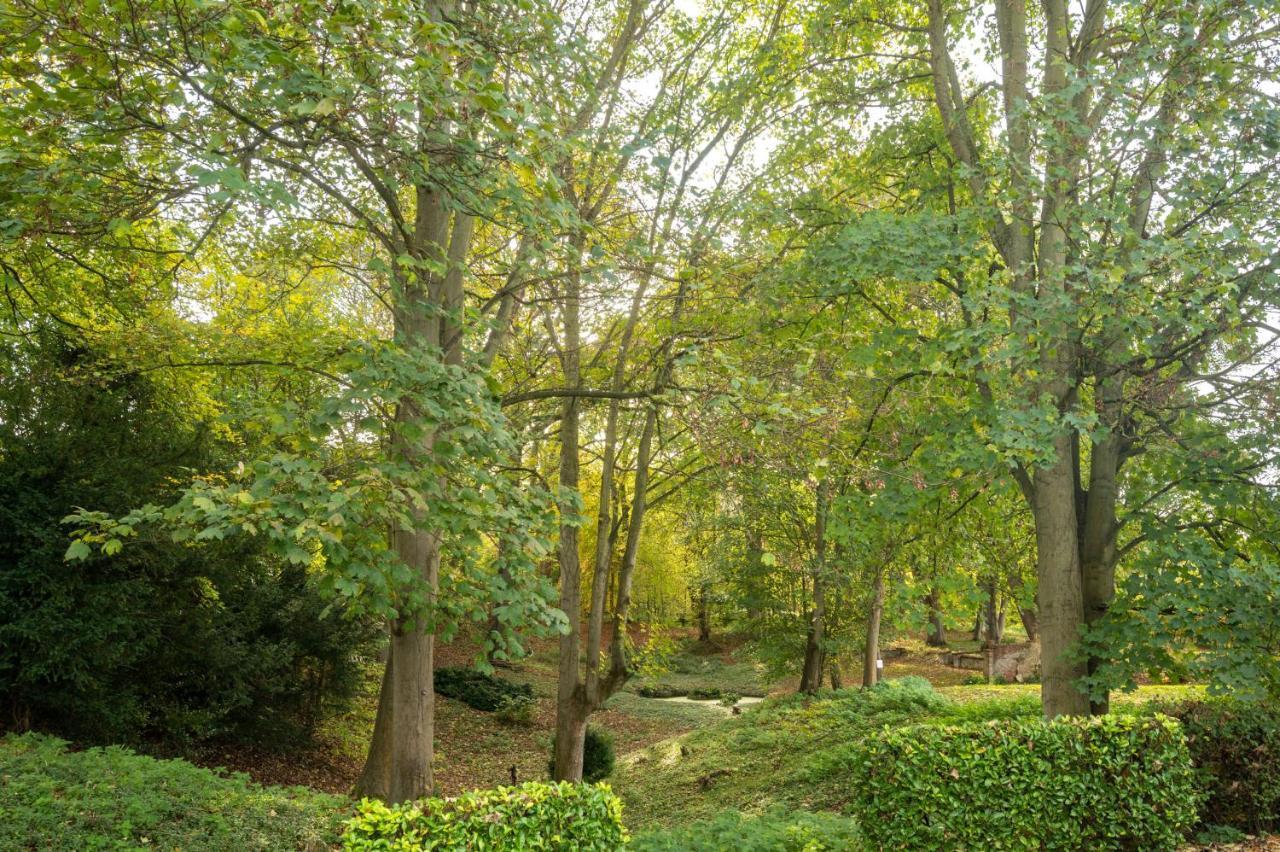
811 676
704 612
992 617
871 672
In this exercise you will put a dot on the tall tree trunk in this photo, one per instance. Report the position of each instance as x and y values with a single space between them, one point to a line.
1097 529
1060 595
704 612
871 655
811 673
571 698
992 617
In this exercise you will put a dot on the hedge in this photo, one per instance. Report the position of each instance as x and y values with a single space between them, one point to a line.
533 816
1235 748
1102 783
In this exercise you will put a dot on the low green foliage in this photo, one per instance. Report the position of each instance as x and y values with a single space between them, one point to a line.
676 715
479 690
598 756
557 816
516 710
705 677
111 798
1114 782
1235 747
777 830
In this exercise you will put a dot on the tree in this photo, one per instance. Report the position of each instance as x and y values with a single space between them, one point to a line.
400 125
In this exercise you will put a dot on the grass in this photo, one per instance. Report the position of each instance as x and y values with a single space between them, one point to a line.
111 798
691 671
793 753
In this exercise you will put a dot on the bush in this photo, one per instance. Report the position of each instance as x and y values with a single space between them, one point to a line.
1103 783
479 690
1235 747
777 830
535 815
660 691
516 710
598 756
163 641
111 798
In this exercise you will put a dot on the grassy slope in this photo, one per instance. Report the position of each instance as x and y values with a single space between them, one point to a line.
794 752
51 798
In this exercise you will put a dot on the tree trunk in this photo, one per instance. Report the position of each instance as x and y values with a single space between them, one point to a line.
1097 532
992 617
571 734
375 778
1060 596
811 673
870 672
570 698
413 717
704 612
1026 614
937 637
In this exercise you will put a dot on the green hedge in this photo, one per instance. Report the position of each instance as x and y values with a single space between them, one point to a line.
479 690
111 798
1104 783
1235 747
534 816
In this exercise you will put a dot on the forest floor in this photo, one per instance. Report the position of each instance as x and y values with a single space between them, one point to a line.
680 763
477 749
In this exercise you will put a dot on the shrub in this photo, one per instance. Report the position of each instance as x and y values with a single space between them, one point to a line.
534 815
516 710
477 689
598 756
1102 783
659 691
111 798
164 641
777 830
1235 747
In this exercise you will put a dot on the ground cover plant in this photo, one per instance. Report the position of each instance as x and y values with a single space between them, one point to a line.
112 798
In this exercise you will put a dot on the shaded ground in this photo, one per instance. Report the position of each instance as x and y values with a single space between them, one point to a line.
476 749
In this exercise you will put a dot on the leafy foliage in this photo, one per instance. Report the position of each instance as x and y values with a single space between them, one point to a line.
1235 747
552 816
110 798
164 641
1104 783
479 690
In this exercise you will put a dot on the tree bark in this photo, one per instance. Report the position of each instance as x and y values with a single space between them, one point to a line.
375 778
704 612
1061 598
870 672
811 672
937 637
